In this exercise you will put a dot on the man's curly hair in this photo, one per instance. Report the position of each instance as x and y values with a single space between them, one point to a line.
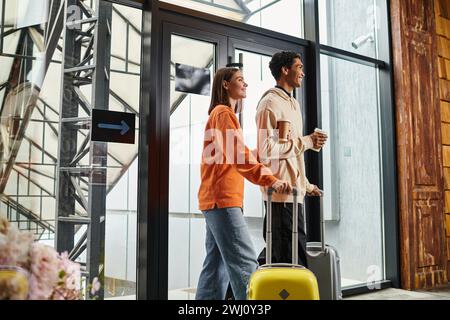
282 59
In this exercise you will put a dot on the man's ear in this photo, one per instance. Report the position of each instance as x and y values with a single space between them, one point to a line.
285 70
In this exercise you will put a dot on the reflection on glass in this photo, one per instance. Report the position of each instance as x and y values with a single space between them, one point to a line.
29 104
352 25
257 74
260 13
194 80
125 55
188 116
20 18
121 199
352 169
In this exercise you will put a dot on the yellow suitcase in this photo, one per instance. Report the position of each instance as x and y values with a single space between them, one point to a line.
278 281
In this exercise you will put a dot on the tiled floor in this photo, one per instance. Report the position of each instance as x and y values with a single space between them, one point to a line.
386 294
398 294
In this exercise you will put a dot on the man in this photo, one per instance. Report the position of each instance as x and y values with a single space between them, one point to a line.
285 159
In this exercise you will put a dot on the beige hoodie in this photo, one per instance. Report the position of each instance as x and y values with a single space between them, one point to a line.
285 159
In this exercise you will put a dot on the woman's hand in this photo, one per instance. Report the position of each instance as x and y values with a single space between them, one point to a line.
281 186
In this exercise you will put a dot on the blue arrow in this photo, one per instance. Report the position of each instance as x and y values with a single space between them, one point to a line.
123 127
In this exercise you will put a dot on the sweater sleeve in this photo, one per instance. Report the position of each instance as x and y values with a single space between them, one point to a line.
236 152
309 186
268 145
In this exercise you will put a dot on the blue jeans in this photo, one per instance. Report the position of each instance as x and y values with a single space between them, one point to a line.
230 257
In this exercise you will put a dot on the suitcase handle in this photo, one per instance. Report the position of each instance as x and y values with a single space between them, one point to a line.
322 222
270 191
281 265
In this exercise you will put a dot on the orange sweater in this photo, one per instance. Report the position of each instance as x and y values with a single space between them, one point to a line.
226 161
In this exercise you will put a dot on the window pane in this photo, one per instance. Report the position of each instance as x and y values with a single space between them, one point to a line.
259 79
258 13
31 107
122 173
188 117
352 168
352 25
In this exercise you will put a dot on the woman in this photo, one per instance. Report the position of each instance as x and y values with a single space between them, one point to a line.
226 161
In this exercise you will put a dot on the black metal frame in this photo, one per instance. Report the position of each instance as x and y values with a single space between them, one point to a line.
153 196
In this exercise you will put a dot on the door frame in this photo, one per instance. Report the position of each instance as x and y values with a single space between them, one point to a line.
169 29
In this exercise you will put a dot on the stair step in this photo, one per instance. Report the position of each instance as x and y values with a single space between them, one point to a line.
75 219
82 21
80 68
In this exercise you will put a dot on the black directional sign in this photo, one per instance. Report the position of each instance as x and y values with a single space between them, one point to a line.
112 126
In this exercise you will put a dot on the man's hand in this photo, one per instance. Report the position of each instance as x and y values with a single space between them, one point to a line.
281 186
318 139
315 192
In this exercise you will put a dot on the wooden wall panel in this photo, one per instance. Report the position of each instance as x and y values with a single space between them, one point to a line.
424 128
445 134
443 30
418 15
445 110
420 153
446 155
444 88
447 228
447 202
442 9
447 182
429 250
441 68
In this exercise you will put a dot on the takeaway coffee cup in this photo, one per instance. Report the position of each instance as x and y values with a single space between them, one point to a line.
284 128
319 131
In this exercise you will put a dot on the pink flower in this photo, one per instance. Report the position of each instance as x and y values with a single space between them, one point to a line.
51 276
71 272
95 286
44 271
14 245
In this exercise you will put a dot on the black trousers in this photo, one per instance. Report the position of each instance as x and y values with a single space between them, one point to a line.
282 235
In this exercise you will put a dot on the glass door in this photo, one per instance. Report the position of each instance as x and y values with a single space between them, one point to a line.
190 60
194 57
255 58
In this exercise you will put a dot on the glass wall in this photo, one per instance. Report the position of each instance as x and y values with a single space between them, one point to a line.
257 74
31 110
29 101
352 158
285 16
188 117
121 201
351 25
352 168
